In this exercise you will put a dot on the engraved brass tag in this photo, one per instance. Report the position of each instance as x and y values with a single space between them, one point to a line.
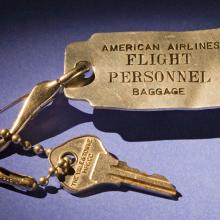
149 70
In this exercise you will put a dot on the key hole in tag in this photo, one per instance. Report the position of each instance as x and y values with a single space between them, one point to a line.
83 80
88 77
89 74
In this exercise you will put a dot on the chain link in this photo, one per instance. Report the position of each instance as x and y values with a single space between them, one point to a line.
62 167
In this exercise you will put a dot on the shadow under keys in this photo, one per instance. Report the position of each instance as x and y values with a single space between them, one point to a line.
131 125
38 193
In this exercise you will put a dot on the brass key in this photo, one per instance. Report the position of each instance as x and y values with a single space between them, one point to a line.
94 166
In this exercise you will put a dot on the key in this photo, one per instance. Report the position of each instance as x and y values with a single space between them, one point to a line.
94 167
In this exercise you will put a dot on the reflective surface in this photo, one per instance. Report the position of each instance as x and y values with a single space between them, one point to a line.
94 168
25 183
149 70
32 50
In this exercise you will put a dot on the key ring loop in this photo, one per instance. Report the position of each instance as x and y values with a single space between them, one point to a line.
29 183
41 95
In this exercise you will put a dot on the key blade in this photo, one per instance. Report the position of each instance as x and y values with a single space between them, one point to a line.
135 178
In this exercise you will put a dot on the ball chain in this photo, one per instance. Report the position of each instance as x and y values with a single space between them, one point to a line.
27 146
63 164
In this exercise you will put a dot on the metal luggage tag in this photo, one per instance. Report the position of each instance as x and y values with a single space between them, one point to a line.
149 70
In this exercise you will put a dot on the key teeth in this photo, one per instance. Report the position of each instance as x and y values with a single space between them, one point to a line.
124 165
160 177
